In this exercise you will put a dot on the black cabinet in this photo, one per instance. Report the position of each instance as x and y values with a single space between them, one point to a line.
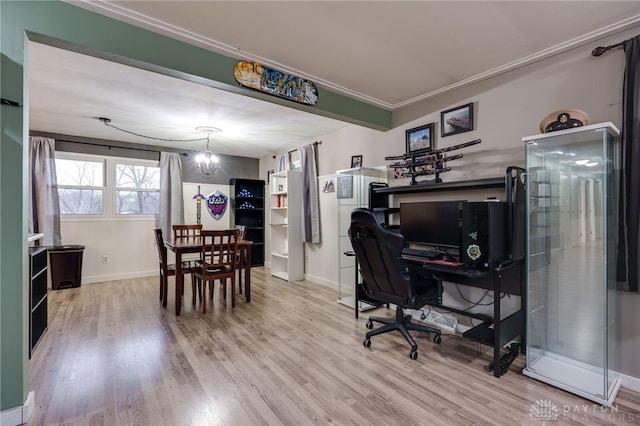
37 295
247 203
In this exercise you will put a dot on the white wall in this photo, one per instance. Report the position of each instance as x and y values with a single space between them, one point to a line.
129 243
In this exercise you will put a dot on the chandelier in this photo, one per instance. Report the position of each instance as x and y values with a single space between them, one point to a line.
208 163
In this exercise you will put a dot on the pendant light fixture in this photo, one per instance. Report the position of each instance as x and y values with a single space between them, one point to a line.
208 163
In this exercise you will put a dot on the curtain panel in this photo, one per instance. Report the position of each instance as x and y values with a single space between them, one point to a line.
44 205
310 204
171 201
282 163
628 244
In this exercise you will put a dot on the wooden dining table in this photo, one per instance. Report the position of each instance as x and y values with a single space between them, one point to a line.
194 245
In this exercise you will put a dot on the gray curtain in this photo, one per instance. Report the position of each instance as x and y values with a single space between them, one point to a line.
171 201
629 241
310 207
44 207
282 163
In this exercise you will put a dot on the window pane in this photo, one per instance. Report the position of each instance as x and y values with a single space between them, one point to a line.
80 173
137 202
140 177
80 201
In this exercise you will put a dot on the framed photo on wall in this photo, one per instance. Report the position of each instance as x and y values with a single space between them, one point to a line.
456 120
419 139
356 161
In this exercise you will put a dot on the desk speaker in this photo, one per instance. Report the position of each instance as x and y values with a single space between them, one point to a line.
483 234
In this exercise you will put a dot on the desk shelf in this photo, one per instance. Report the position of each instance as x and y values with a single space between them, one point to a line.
487 183
505 278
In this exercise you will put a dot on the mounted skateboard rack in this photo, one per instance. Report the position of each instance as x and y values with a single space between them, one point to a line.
429 163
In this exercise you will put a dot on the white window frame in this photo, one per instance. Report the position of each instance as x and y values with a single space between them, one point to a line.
103 188
133 162
109 189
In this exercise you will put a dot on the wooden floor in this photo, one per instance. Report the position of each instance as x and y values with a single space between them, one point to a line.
293 356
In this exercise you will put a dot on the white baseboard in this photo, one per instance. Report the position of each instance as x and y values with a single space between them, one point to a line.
631 383
18 415
113 277
321 281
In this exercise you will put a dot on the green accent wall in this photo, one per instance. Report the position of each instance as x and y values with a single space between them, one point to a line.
63 25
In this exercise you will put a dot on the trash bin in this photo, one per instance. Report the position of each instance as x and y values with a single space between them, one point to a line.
65 264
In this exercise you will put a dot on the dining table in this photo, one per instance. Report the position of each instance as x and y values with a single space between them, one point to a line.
194 245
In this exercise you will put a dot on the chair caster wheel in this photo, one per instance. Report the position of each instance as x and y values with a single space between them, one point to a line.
367 343
369 325
413 354
437 339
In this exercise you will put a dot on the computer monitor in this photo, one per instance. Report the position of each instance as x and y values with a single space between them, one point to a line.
433 223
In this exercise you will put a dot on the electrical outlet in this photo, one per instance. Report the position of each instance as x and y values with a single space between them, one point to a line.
105 259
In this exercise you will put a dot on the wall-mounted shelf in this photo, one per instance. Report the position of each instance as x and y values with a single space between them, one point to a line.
494 182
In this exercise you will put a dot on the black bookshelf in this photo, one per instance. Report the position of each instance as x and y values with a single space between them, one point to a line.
247 203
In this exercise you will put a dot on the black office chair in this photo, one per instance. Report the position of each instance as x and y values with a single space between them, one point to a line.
389 278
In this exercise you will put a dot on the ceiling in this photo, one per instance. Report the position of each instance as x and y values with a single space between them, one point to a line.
387 53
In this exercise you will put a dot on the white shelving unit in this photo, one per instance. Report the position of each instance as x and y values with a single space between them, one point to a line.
285 223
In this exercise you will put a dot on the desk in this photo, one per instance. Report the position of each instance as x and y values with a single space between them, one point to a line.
496 331
194 245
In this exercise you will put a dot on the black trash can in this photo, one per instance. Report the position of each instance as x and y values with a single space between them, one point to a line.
65 263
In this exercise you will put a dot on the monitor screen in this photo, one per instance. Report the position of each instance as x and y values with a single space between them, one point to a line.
433 223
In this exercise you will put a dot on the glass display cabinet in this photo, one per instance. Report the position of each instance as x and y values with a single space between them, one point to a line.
352 191
572 231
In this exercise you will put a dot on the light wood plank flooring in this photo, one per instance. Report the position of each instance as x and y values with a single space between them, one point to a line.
293 356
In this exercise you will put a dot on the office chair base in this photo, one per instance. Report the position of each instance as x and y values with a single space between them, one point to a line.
403 324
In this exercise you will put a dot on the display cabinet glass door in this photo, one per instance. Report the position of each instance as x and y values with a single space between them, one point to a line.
572 213
352 191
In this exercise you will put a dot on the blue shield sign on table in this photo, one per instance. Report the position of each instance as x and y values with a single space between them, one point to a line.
217 204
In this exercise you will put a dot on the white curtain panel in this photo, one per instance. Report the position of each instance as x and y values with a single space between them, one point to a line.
310 204
282 163
44 206
171 203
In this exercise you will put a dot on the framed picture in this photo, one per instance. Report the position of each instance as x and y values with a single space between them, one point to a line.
356 161
419 139
456 120
344 186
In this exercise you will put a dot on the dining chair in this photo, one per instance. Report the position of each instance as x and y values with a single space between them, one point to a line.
167 269
240 258
218 262
188 231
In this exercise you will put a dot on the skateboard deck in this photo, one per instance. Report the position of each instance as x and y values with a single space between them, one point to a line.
275 82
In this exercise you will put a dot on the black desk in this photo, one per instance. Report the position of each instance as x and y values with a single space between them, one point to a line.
496 331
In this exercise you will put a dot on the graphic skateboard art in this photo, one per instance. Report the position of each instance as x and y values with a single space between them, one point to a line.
275 82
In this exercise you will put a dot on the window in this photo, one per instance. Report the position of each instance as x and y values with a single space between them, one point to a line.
110 187
137 189
80 186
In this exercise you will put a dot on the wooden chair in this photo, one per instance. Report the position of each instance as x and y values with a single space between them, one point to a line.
218 262
167 269
188 231
241 236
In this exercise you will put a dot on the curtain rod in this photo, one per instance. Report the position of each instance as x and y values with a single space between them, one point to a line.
598 51
121 147
64 138
315 145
